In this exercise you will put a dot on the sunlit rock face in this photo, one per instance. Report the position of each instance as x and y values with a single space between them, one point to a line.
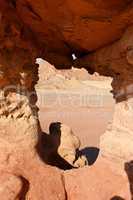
116 59
54 30
20 165
18 116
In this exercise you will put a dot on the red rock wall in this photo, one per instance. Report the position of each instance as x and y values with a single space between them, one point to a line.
55 30
63 26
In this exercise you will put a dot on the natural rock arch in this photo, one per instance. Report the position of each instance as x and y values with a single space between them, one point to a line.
21 23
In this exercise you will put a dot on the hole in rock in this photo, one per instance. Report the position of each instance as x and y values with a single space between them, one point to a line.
81 101
74 56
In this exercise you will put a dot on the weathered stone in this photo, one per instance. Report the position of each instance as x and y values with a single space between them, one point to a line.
19 126
11 187
61 144
74 27
31 29
96 182
114 59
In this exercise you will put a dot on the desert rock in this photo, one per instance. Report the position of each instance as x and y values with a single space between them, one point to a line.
62 143
100 35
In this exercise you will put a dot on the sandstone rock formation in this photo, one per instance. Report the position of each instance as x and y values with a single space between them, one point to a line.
61 147
21 168
31 29
65 79
75 27
116 59
99 182
67 144
10 187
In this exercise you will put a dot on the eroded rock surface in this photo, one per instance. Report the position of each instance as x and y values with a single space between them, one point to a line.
51 78
10 187
97 182
66 144
116 60
65 27
30 29
21 168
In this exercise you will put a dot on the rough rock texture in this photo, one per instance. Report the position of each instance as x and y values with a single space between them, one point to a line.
11 187
47 71
62 79
116 59
21 168
117 142
30 29
98 182
67 144
61 147
75 27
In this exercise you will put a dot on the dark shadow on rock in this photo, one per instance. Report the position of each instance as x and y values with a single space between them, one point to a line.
129 171
25 188
91 153
48 145
117 198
